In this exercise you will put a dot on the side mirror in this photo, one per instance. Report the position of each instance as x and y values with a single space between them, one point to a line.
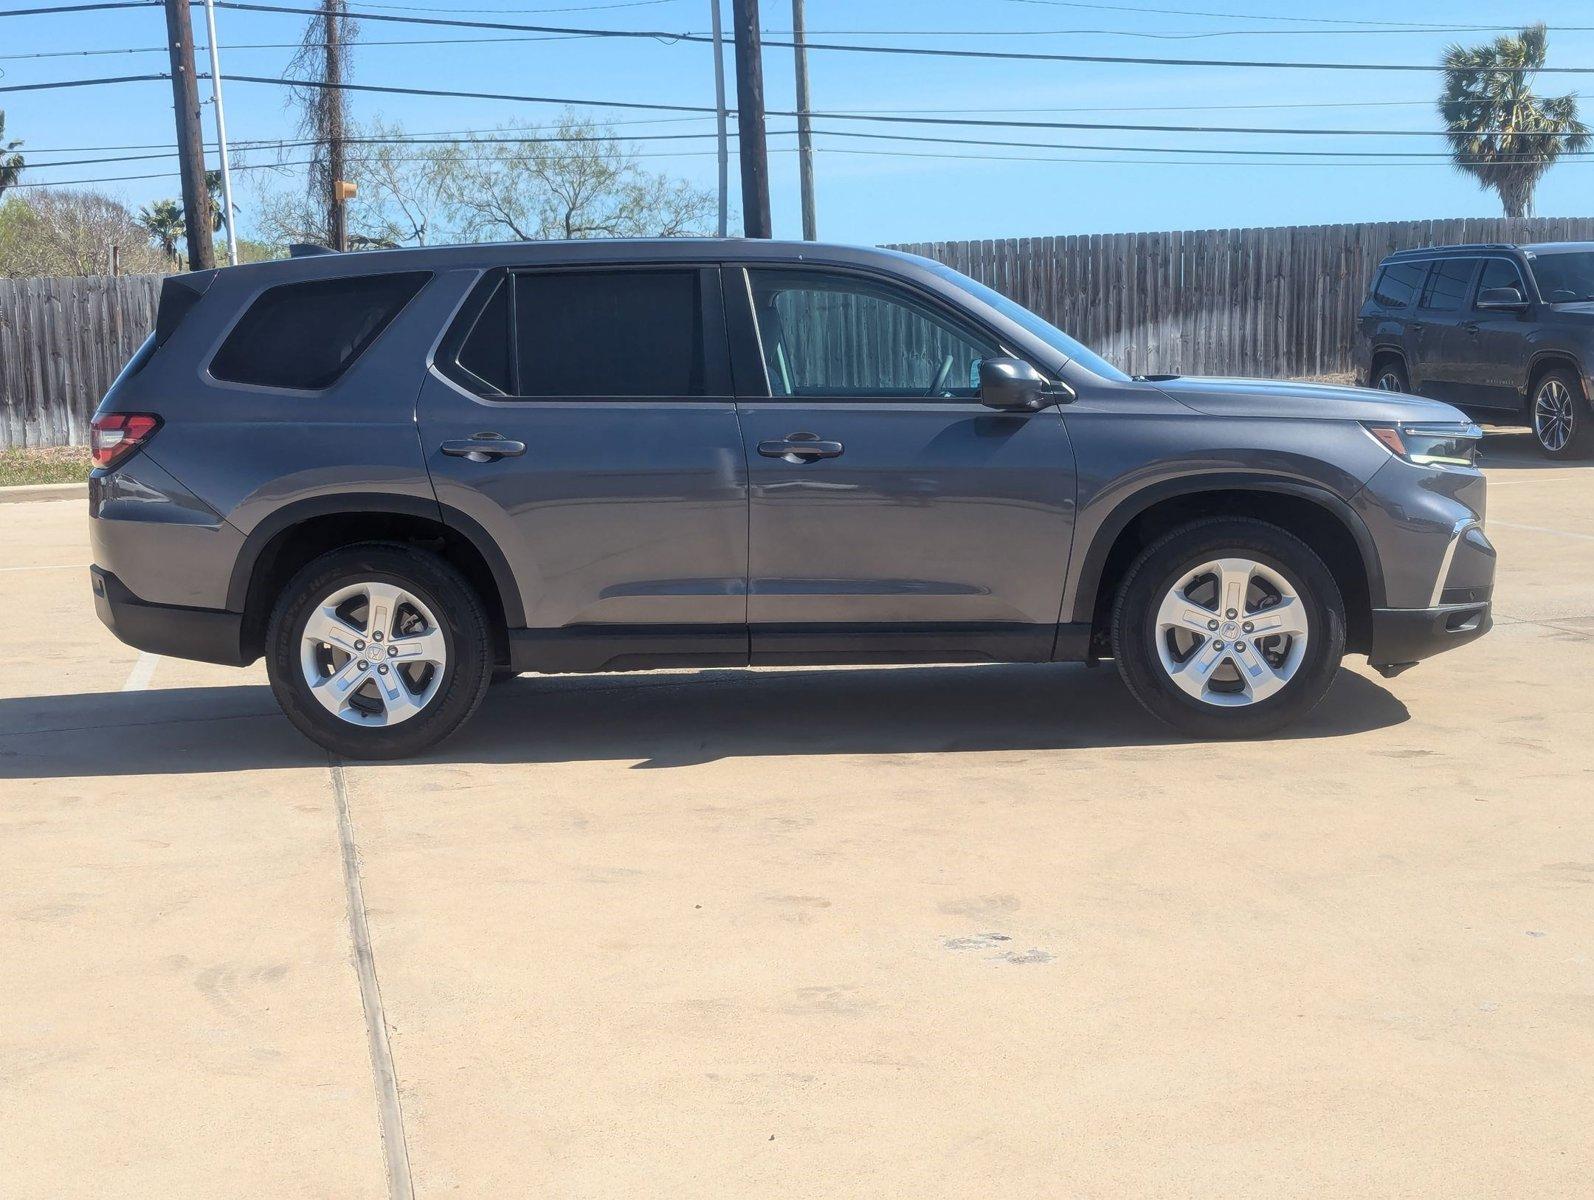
1506 298
1011 383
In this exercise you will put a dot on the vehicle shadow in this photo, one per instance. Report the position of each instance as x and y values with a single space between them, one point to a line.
1517 449
667 719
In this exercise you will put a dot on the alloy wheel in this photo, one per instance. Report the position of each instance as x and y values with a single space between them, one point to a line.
373 654
1553 415
1389 381
1231 632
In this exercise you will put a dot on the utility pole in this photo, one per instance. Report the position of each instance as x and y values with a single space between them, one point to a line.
337 213
805 135
221 132
719 115
190 141
750 120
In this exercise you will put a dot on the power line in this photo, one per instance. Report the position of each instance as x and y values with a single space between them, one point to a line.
1415 26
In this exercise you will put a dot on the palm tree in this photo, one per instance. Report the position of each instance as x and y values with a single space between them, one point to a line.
163 221
10 164
1500 132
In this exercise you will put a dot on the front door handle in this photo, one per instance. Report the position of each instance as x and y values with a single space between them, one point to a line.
800 448
484 447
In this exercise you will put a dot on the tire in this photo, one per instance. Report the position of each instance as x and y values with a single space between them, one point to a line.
1563 422
1389 375
1150 654
435 625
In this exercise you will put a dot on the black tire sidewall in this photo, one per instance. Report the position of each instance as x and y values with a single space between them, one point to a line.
461 619
1397 368
1162 564
1581 442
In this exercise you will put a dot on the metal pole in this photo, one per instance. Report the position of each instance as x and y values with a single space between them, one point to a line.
750 119
719 116
805 139
221 133
190 141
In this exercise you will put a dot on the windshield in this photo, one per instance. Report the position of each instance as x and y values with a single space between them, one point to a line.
1564 278
1047 332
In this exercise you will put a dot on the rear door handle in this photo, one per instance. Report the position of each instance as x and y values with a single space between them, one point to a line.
484 447
1471 327
800 447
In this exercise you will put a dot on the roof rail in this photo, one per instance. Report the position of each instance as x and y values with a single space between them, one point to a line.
1461 246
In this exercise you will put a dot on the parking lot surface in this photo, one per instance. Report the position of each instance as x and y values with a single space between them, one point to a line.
972 931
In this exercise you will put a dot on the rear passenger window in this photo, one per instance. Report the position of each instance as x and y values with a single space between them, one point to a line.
609 333
305 335
1398 283
1447 284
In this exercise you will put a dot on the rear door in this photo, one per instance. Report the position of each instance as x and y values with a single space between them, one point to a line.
893 516
1440 344
583 419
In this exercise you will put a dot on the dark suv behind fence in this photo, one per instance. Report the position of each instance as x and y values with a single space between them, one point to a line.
1505 333
400 475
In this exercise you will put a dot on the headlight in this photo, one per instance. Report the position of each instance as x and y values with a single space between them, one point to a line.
1431 445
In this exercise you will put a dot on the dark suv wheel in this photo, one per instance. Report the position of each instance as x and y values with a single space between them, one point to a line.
378 650
1228 627
1390 376
1563 423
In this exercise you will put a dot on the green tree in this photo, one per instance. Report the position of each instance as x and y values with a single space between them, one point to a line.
163 221
1500 133
11 164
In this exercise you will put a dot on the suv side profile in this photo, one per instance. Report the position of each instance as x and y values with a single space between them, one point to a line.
1505 333
400 475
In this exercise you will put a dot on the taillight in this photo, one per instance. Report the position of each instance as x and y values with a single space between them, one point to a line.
115 436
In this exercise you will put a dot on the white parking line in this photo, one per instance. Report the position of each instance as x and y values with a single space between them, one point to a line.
143 671
52 567
1582 537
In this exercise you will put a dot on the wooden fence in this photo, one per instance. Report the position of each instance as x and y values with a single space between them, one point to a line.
1264 302
62 342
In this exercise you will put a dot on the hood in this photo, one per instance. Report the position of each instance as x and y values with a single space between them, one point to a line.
1267 398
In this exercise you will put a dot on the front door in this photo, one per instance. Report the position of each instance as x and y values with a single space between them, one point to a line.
893 517
1495 343
583 420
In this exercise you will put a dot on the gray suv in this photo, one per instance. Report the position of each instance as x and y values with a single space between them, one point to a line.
1505 333
401 475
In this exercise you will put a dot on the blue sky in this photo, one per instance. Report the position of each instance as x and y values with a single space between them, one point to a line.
864 195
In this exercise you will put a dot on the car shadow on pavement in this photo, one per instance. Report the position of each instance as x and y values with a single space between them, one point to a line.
1516 449
664 719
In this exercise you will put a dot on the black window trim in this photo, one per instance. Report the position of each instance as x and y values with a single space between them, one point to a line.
954 314
253 297
713 345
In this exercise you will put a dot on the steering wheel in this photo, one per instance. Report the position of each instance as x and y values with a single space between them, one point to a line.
940 377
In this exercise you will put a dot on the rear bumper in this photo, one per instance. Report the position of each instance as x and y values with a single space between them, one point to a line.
1402 636
199 633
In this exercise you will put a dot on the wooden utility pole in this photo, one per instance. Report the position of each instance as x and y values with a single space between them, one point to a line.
337 211
190 141
805 135
750 120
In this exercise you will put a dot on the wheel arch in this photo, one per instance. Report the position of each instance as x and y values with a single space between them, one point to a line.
1541 362
1320 518
283 541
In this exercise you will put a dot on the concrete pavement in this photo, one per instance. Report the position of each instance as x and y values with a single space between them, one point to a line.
954 932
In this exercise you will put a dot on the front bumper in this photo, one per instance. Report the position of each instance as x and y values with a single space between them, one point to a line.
1402 636
199 633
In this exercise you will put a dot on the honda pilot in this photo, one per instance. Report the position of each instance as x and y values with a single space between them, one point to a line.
400 475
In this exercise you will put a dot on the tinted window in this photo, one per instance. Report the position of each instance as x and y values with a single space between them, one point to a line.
485 351
609 333
1564 278
305 335
1447 283
845 335
1499 273
1398 283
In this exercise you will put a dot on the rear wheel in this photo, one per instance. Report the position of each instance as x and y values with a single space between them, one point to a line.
1563 423
378 651
1228 627
1390 376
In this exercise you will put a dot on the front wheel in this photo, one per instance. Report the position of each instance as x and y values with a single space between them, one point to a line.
378 651
1228 627
1563 423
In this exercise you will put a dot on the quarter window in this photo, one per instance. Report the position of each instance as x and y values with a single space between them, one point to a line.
1398 283
846 335
306 335
1447 284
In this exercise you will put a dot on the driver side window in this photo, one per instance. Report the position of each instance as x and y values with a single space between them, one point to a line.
827 334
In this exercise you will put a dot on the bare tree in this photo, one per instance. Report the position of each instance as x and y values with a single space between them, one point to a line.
1500 132
58 232
575 180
